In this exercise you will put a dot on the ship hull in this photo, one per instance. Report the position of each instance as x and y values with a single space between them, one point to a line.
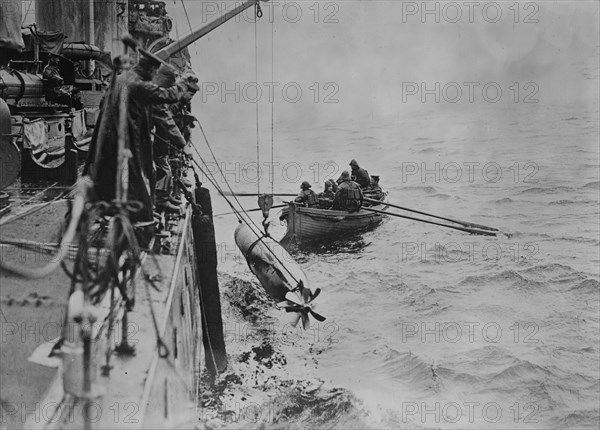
147 390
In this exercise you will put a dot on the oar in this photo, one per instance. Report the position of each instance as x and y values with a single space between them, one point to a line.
468 230
228 193
466 224
252 210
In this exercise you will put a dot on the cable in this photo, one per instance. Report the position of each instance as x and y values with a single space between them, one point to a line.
272 176
27 13
256 103
189 23
77 212
259 236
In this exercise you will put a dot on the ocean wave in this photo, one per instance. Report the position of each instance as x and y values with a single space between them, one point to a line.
444 196
549 190
425 151
429 190
581 419
529 235
521 372
595 184
249 299
405 366
506 277
503 200
580 239
588 286
571 202
548 271
454 376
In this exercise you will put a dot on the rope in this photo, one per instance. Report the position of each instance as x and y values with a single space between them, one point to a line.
256 103
34 208
189 24
272 176
238 202
65 243
27 13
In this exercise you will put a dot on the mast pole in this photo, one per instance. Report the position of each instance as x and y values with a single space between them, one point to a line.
185 41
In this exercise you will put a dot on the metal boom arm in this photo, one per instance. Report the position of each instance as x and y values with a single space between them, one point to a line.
185 41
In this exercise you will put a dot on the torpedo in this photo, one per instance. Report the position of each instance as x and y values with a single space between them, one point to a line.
281 277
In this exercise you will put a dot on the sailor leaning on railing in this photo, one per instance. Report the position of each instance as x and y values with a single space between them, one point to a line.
132 94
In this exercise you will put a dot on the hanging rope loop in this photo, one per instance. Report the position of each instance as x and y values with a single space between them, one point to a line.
259 12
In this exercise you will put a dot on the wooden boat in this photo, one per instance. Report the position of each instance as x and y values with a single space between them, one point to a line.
311 224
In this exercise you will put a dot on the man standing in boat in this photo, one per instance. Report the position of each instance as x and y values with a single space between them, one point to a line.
360 176
349 196
306 196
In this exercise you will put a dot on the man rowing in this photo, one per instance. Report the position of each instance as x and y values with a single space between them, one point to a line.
349 196
307 197
374 191
359 175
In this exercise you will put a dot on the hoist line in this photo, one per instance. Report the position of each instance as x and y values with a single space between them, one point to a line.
251 227
272 175
256 103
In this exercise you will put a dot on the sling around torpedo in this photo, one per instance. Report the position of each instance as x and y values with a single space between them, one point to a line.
278 273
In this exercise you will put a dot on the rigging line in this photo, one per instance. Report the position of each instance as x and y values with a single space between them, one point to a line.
259 236
189 24
256 103
219 168
27 13
272 175
238 213
210 177
186 15
214 183
247 220
32 209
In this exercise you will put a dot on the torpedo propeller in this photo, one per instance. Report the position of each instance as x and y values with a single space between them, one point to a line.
302 309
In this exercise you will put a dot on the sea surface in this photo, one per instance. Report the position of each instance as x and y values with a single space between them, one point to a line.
427 327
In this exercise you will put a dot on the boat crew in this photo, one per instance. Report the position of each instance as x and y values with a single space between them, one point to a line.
374 191
306 196
349 196
328 194
359 175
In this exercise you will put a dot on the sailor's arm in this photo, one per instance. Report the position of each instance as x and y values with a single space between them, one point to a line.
166 126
